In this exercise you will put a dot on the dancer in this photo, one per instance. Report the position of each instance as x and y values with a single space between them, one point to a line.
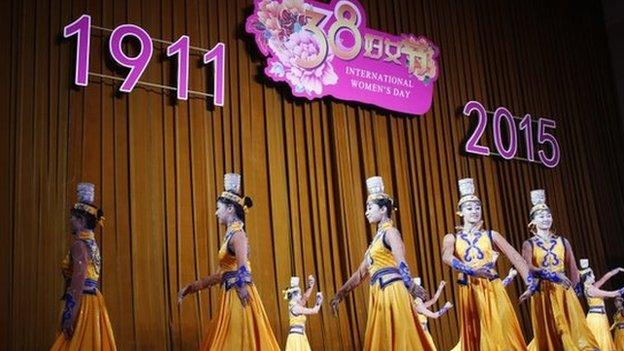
241 322
483 302
297 311
85 324
556 314
391 323
618 324
597 319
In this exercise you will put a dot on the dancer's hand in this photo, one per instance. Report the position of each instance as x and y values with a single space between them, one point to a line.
534 269
319 298
447 306
68 328
525 295
185 291
335 302
243 294
311 281
565 281
418 291
484 272
182 293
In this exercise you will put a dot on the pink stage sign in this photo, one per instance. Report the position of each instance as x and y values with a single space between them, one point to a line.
326 49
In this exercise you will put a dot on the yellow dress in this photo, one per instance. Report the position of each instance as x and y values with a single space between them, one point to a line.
391 323
618 333
297 339
487 317
236 327
556 313
93 331
598 323
425 324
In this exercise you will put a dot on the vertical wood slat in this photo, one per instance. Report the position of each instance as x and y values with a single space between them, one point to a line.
158 164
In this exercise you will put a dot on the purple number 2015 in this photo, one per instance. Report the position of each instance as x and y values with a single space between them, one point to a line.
502 114
81 28
138 63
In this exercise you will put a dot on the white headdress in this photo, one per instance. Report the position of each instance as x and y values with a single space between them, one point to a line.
466 192
375 188
85 194
585 268
538 199
417 281
232 185
294 286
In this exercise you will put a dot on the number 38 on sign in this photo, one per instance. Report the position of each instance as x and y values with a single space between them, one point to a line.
504 124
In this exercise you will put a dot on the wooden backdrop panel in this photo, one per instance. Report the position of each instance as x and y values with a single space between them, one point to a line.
158 163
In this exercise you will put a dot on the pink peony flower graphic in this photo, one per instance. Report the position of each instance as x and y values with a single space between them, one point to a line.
420 58
280 32
303 46
277 21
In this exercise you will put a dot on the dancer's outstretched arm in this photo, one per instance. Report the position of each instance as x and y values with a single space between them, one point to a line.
527 254
430 314
310 285
571 267
435 297
608 276
299 309
514 257
393 239
354 281
201 284
593 291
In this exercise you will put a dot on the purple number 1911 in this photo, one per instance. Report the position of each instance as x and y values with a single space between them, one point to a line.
81 28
